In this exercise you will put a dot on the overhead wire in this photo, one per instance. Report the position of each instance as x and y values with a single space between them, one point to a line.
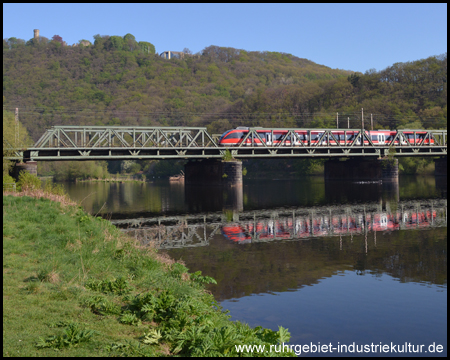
230 116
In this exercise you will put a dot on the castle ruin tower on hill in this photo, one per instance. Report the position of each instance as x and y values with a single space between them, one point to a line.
36 33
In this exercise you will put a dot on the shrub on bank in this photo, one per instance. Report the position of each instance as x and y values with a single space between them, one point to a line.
75 283
28 181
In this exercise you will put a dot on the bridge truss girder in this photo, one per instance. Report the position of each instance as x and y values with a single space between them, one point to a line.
122 142
92 137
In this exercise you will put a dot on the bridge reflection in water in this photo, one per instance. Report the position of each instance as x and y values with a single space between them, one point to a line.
170 232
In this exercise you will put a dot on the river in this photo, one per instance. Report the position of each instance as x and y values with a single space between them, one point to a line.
337 263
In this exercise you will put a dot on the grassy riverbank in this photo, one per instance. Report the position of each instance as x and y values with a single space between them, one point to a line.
74 283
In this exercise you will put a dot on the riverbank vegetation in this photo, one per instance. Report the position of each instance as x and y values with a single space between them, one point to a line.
414 165
74 170
15 136
74 283
127 170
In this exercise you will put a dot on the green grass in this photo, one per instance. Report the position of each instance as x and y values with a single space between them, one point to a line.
74 285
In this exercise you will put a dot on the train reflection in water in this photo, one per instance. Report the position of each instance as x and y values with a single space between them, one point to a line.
305 227
283 224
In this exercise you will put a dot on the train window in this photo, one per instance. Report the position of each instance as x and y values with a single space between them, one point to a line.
235 135
300 136
374 137
389 138
224 134
351 137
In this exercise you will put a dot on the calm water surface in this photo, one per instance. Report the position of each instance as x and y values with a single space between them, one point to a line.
334 262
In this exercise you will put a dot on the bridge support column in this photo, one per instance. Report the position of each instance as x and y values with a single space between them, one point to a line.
440 166
389 169
28 166
214 172
360 169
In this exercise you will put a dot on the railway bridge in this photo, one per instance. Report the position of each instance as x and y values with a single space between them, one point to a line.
170 232
367 159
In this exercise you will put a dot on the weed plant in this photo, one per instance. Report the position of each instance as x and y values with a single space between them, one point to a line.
76 284
227 156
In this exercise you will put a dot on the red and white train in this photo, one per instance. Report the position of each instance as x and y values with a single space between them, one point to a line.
235 137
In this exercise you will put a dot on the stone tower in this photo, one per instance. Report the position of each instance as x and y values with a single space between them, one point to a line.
36 33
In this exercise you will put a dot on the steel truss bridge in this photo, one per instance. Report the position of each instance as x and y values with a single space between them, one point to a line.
133 142
281 224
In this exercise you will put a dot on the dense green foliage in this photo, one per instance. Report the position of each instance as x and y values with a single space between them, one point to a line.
15 135
28 181
70 170
412 94
75 283
121 81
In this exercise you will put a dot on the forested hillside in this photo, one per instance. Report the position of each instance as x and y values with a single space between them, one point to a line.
119 81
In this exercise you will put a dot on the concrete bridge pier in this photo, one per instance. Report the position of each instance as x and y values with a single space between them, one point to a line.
440 168
28 166
213 172
362 169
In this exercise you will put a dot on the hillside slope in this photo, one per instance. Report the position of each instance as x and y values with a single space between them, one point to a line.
221 88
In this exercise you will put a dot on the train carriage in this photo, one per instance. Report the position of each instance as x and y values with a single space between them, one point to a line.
241 137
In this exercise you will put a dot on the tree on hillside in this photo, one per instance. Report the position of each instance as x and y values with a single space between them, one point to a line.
58 39
130 42
14 42
14 136
114 42
40 41
147 47
100 40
